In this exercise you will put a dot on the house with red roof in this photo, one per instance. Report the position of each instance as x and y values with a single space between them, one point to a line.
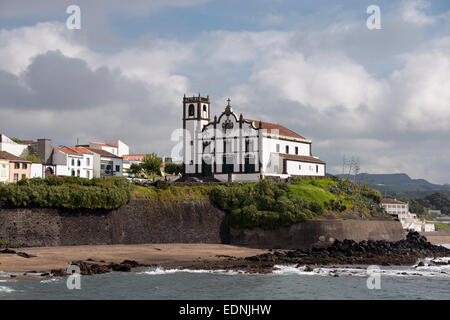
244 149
73 161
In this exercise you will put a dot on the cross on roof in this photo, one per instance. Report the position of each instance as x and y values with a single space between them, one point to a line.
229 100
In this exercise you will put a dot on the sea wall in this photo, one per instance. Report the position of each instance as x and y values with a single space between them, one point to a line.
317 233
199 221
139 221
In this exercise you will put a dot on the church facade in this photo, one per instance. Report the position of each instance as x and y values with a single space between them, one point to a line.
231 146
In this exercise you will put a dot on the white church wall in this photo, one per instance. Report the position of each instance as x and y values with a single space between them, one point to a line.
304 168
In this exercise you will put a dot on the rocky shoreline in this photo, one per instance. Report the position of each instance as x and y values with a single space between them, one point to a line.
53 261
347 252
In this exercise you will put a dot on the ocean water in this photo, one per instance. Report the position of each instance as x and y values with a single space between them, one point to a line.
287 282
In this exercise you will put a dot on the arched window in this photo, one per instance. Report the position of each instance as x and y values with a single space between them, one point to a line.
191 110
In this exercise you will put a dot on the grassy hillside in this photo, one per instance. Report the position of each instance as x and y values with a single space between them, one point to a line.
269 205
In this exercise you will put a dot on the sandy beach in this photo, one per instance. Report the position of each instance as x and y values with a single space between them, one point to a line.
169 255
48 258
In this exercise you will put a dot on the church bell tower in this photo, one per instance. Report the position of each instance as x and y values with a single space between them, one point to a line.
196 114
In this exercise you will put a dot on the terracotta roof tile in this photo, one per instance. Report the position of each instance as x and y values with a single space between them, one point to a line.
73 150
282 131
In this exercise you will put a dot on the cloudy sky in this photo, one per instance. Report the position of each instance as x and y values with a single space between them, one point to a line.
313 66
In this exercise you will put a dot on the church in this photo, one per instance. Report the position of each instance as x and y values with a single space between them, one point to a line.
234 148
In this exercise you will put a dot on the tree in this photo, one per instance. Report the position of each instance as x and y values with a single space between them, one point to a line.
17 140
152 164
135 169
173 168
33 158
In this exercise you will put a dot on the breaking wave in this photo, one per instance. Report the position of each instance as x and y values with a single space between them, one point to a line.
430 268
4 289
163 271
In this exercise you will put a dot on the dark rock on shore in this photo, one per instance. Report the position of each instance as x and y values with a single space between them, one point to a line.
89 268
20 254
380 252
9 251
25 255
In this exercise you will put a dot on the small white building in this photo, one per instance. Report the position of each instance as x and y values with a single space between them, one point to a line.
36 171
408 220
116 147
73 161
122 147
106 164
8 145
245 149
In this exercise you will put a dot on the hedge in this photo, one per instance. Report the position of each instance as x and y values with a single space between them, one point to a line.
67 192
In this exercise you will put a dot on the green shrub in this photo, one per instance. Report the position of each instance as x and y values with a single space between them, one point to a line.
68 193
161 184
373 194
265 204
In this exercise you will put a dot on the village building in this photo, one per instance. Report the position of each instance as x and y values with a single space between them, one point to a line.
116 147
106 164
74 161
233 147
12 147
18 168
408 220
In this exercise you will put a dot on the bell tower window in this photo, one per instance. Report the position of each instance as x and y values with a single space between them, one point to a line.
191 110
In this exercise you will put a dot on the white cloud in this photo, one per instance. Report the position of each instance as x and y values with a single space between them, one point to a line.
322 92
421 89
414 12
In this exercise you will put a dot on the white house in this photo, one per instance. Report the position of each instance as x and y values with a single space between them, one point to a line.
105 163
122 147
8 145
243 148
408 220
73 161
116 147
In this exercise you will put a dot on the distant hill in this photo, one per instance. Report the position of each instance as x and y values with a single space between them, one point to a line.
400 184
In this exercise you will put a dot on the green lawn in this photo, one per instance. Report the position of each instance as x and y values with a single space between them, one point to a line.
172 192
313 190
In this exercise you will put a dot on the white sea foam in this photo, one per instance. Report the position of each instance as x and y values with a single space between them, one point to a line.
428 270
50 280
4 289
163 271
